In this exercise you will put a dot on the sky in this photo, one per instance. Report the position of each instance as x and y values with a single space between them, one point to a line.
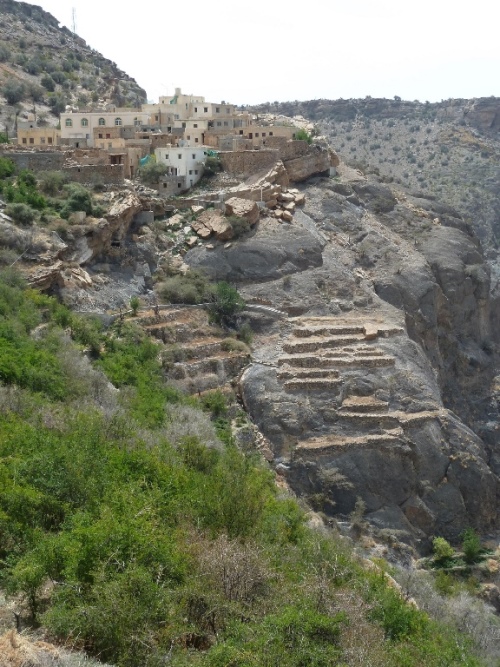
262 51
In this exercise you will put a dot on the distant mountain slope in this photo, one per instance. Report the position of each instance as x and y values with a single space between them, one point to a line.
47 67
449 150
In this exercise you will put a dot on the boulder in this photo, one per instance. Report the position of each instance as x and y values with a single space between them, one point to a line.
243 208
212 221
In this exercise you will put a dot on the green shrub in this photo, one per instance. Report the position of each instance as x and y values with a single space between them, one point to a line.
78 199
134 305
7 168
21 213
233 345
212 166
52 182
240 225
471 545
302 135
245 333
4 53
190 288
443 551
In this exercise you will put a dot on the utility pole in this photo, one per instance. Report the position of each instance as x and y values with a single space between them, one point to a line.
73 20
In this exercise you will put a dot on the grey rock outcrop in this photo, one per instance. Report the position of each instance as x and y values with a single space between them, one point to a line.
376 387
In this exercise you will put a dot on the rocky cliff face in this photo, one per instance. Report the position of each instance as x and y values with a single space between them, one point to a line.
378 385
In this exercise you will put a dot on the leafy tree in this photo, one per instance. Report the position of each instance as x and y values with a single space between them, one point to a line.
152 172
226 304
443 551
471 545
13 91
48 83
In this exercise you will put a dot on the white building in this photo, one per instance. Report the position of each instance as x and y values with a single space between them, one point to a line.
184 161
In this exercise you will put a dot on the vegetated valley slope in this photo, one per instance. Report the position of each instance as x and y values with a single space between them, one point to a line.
372 377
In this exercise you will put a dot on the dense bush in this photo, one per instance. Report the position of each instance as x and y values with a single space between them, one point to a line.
191 288
21 213
78 198
52 182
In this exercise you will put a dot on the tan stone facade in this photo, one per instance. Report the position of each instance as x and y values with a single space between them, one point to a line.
42 137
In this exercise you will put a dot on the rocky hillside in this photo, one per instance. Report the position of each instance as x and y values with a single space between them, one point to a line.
380 382
44 67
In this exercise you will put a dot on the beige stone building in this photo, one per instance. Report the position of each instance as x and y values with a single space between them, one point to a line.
38 137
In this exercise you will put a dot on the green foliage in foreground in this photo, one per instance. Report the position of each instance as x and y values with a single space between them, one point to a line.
156 550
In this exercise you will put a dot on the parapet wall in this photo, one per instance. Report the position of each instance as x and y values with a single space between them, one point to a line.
245 163
110 174
36 160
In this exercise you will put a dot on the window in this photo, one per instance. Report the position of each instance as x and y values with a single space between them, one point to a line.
193 156
219 123
110 145
196 172
42 140
24 140
263 134
196 140
32 141
270 134
195 125
179 185
100 135
188 137
228 110
108 135
256 134
68 122
217 109
102 121
156 118
49 140
184 125
190 172
205 109
166 156
196 109
118 121
179 156
137 121
84 122
226 123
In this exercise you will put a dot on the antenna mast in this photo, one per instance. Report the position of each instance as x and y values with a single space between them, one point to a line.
73 20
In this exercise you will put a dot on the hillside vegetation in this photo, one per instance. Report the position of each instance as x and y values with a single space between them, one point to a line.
44 67
128 535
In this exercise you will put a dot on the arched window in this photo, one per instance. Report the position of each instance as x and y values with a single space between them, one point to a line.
118 121
102 121
84 122
69 122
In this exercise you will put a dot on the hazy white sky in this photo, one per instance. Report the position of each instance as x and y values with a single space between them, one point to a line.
260 51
